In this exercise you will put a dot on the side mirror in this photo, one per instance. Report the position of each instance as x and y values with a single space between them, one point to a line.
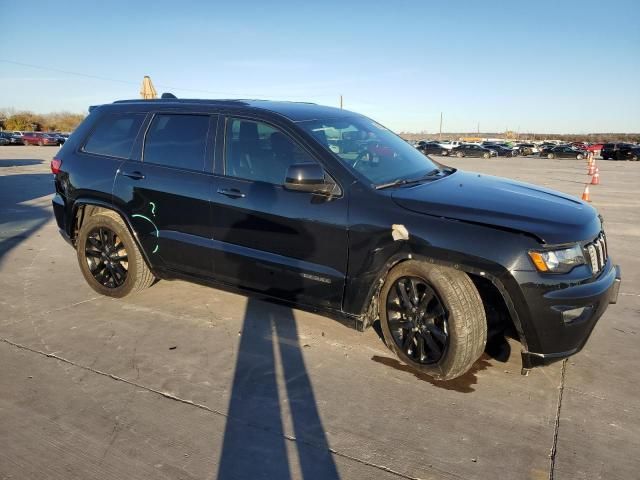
308 177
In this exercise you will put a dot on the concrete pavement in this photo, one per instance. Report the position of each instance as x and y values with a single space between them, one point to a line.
186 381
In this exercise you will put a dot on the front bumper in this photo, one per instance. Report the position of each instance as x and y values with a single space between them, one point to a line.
555 337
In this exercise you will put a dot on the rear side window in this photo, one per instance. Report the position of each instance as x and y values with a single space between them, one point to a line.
177 141
114 135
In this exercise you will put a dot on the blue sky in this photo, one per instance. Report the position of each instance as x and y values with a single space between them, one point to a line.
545 66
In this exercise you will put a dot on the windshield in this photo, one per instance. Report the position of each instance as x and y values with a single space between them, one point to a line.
370 149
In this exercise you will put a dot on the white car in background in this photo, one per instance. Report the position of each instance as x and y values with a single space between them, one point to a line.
449 144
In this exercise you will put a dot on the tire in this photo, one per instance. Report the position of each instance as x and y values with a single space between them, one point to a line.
40 144
444 153
462 320
579 156
486 155
459 154
550 156
137 275
634 158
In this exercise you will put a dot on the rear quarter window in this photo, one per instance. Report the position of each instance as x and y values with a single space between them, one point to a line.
114 135
177 140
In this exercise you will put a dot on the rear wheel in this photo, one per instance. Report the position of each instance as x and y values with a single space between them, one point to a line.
550 156
459 154
40 144
444 153
433 319
109 258
579 156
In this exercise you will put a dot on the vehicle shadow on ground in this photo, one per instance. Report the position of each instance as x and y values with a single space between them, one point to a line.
19 221
20 162
255 444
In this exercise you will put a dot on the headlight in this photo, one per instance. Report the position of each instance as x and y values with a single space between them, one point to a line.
557 261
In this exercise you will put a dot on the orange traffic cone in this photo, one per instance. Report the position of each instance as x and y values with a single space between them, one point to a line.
585 195
595 180
592 168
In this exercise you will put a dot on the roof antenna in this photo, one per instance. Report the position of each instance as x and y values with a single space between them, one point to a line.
168 95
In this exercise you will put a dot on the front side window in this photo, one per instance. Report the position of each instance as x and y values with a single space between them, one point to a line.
177 141
114 135
260 152
369 148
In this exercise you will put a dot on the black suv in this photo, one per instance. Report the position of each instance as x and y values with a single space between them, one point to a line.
615 151
328 210
620 151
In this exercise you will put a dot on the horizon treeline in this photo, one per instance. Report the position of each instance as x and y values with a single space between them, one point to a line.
25 120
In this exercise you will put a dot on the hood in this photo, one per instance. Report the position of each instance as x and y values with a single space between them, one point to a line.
551 216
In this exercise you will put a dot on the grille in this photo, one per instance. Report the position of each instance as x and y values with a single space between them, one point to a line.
598 253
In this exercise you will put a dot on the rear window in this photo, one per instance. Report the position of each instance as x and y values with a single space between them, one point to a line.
114 135
177 141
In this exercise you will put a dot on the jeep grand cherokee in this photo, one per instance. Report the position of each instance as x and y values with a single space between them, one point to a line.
328 210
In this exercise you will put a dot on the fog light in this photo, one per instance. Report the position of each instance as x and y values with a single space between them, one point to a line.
575 314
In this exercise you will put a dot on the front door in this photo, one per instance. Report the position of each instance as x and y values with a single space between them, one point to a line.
287 244
167 194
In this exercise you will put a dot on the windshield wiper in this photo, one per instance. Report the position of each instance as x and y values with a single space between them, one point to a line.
407 181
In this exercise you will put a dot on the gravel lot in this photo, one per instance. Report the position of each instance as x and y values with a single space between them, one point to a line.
188 382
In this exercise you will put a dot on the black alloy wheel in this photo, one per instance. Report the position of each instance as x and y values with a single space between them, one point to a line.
106 257
417 320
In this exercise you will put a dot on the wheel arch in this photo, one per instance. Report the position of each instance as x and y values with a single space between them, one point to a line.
87 207
370 313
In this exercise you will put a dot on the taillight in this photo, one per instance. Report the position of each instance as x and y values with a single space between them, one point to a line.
56 163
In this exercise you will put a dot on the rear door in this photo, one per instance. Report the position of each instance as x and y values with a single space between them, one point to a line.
287 244
166 190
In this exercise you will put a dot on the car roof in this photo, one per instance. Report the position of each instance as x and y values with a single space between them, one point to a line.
294 111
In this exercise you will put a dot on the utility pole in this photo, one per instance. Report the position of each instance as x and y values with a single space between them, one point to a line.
340 102
478 128
440 134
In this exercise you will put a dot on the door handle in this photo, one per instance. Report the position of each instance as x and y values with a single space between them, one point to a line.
134 175
231 192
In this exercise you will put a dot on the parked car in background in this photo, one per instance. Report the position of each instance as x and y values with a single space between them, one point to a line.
472 150
4 140
58 137
564 151
544 149
449 144
594 147
528 149
615 151
11 138
441 258
626 151
38 138
433 148
502 151
546 146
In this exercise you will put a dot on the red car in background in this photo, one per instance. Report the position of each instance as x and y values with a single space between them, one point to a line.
38 138
595 147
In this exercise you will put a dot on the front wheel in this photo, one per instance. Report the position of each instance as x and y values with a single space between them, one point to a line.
444 153
579 156
550 156
486 155
109 258
459 154
433 319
